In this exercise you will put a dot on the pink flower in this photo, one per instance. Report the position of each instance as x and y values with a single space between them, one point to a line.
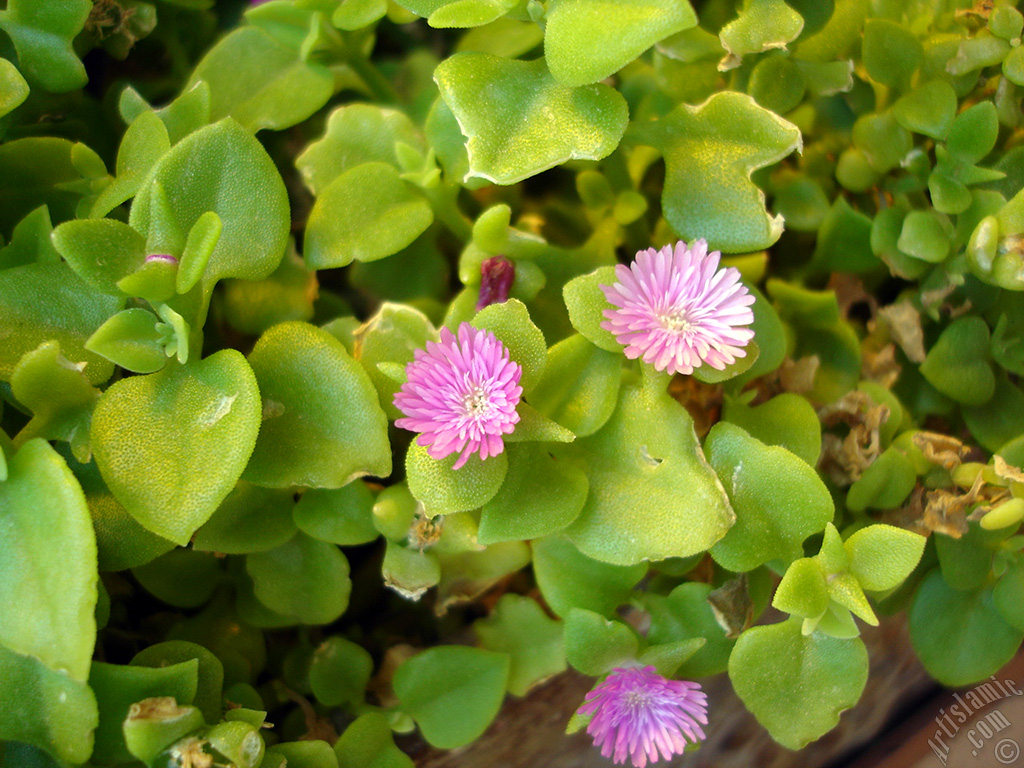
639 713
677 310
461 393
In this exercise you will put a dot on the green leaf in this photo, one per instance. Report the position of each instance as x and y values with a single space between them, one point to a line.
960 637
37 171
533 427
540 495
409 572
778 84
519 627
884 484
13 88
510 322
199 247
339 672
101 251
30 241
58 394
809 681
250 519
891 53
882 556
779 500
53 712
209 674
355 134
223 169
803 590
49 592
957 364
520 121
580 385
44 302
685 614
341 516
365 214
117 687
589 40
322 426
974 132
595 645
314 753
368 743
652 494
926 236
586 303
184 578
787 420
304 579
443 490
1006 596
132 340
143 144
42 32
189 112
569 579
171 445
260 81
762 24
155 724
928 109
710 152
391 336
453 692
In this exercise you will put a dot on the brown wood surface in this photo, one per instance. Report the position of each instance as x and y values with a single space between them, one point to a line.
530 732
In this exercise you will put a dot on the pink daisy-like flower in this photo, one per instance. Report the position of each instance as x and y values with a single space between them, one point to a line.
639 713
678 311
461 393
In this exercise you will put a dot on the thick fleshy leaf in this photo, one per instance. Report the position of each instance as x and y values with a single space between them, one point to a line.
710 152
443 490
117 687
260 81
809 681
13 88
588 40
223 169
171 445
652 494
391 336
53 712
540 495
762 24
453 692
957 365
586 303
580 385
304 579
322 425
787 420
58 394
339 672
595 645
569 579
519 627
341 516
355 134
518 120
882 556
145 142
42 32
209 672
101 251
778 498
367 213
960 637
369 743
37 171
49 592
250 519
685 615
510 322
44 302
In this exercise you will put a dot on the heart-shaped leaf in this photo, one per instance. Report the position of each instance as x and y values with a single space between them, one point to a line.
808 682
710 152
42 32
322 425
518 120
171 445
652 494
588 40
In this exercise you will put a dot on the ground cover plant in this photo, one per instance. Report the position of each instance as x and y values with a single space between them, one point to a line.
365 362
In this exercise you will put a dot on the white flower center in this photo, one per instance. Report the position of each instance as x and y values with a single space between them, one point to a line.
476 402
675 321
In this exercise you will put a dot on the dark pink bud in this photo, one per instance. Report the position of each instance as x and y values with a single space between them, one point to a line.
497 275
